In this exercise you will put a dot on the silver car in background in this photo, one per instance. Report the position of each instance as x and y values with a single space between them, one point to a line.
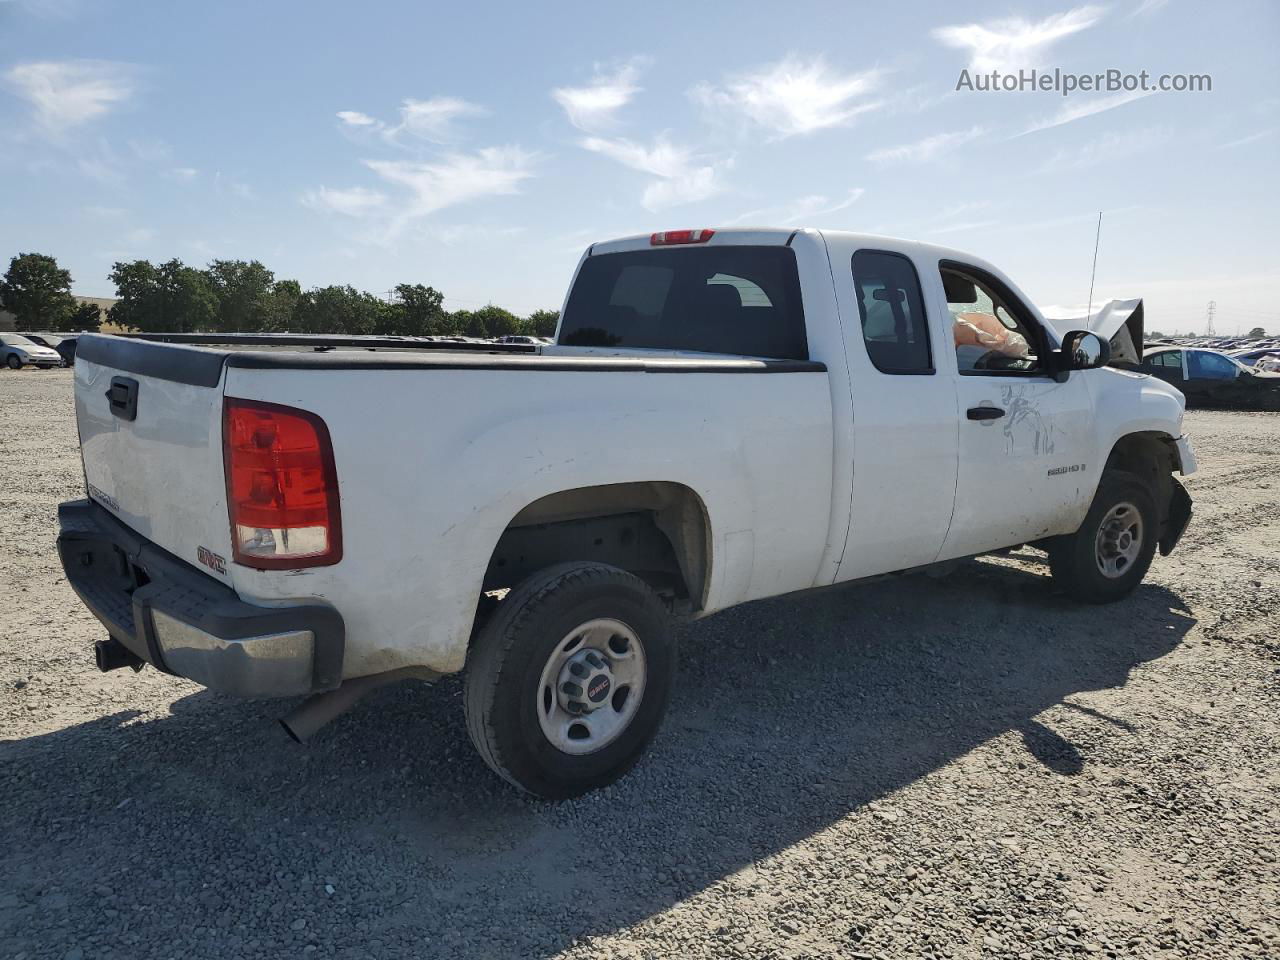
17 351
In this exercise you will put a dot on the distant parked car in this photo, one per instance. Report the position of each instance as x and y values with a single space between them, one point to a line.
1264 358
1211 379
18 351
43 339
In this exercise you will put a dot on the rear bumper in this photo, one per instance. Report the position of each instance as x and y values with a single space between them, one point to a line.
187 623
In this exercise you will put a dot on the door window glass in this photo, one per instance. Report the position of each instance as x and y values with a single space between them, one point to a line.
990 336
1210 366
891 307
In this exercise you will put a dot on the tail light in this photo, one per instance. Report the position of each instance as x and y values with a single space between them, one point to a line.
282 488
669 237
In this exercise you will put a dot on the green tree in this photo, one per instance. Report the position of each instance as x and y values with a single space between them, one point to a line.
170 298
86 318
490 321
37 292
418 312
1257 332
541 323
243 289
279 306
339 309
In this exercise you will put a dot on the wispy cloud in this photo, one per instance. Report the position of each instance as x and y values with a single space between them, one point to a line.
926 149
1079 110
1147 6
965 226
1251 138
451 180
182 174
105 213
1110 148
237 188
432 120
1013 43
592 108
68 93
804 210
682 177
355 118
794 96
51 9
352 202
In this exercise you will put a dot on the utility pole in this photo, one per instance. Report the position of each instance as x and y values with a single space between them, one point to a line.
1213 306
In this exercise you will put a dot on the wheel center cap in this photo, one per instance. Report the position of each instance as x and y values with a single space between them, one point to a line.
585 683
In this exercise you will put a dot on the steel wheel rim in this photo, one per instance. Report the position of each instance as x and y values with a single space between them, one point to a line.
1119 540
572 721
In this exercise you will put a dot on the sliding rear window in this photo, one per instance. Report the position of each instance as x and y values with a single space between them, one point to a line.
737 300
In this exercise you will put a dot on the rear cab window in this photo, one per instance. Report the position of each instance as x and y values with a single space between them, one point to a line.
729 300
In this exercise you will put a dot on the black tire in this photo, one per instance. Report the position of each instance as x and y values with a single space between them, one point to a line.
502 688
1073 559
13 362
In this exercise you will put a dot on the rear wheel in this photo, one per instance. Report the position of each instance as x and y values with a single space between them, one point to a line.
1109 555
13 361
569 679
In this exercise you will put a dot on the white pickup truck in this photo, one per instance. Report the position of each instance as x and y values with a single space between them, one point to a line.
725 415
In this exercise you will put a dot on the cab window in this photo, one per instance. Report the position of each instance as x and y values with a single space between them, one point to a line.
891 308
991 334
743 301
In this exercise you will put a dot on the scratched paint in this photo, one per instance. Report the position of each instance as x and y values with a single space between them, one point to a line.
1023 424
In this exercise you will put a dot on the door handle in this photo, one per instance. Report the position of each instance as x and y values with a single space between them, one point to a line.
984 413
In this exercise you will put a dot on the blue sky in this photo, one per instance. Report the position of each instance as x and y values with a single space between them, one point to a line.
479 147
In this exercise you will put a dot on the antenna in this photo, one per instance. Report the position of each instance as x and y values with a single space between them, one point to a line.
1097 239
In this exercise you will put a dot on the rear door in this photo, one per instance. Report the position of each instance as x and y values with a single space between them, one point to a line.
1026 468
904 414
150 420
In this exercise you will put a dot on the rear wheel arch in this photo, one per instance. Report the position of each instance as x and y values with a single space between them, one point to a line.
659 531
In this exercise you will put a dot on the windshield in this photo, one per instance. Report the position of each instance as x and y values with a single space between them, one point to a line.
736 300
15 340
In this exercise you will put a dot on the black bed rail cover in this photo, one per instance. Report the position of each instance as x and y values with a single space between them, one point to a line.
202 366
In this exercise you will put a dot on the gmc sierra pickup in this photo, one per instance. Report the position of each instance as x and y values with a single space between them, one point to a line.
725 415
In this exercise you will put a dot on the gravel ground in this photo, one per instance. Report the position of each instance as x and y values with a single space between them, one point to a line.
957 768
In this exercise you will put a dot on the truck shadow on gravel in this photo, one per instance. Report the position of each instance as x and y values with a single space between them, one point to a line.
207 832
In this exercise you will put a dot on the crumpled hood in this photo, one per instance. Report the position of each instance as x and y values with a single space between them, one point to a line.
1120 321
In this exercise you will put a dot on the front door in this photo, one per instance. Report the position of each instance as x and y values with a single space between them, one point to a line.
1025 469
904 416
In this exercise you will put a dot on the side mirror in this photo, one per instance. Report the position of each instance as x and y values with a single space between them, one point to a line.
1084 350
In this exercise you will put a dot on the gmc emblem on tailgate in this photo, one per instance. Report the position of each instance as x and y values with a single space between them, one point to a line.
211 560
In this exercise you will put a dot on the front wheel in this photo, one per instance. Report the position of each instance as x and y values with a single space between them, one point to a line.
14 362
569 679
1109 555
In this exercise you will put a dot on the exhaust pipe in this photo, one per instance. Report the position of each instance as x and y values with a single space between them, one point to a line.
303 722
111 654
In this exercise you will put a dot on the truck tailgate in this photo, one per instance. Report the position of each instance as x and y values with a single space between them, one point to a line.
152 449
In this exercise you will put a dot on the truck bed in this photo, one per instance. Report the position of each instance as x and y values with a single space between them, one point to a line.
437 450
